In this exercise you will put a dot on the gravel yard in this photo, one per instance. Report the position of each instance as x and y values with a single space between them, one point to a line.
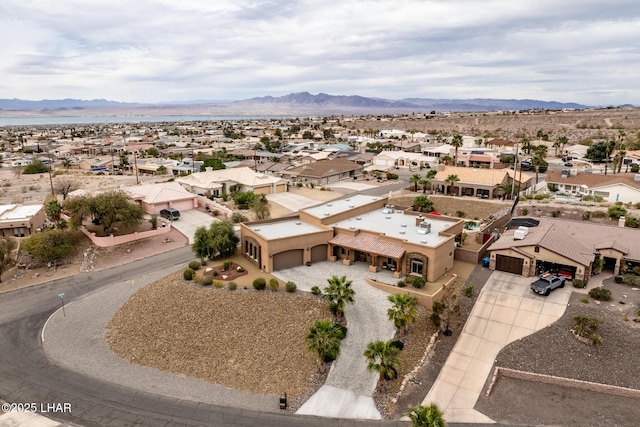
244 339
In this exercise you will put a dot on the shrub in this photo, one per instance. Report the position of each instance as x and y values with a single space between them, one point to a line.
401 283
392 175
632 222
218 284
586 215
539 196
635 168
215 273
315 290
618 279
578 283
188 274
556 213
524 211
259 284
600 294
232 286
206 280
468 291
598 214
341 329
397 344
274 284
585 300
460 214
418 282
226 265
615 212
629 279
194 265
290 287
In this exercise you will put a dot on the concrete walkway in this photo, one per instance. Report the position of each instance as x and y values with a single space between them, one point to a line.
349 388
506 310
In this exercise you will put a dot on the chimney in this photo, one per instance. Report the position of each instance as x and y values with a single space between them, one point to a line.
419 219
621 221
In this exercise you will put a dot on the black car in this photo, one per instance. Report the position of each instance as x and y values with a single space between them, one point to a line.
569 164
170 213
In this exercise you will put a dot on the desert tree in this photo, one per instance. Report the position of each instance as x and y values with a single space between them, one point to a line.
51 245
64 186
217 241
108 208
260 207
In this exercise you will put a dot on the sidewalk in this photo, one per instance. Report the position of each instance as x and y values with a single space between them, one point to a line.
506 311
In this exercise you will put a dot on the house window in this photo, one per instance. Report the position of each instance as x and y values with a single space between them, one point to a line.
391 263
18 232
536 249
417 266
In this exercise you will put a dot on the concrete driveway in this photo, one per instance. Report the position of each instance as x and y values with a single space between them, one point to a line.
190 220
506 310
349 387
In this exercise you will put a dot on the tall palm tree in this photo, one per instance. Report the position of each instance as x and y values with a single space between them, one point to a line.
339 293
403 311
563 140
425 182
539 153
527 146
456 142
382 357
415 179
426 416
324 340
446 160
451 180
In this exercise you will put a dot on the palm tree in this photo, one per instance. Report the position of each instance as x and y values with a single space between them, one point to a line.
539 153
426 416
451 180
66 163
338 294
403 311
425 182
527 146
506 189
324 340
446 160
382 357
415 179
456 142
562 141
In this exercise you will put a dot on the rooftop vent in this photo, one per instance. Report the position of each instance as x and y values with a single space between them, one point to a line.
256 229
424 242
388 209
352 206
347 199
403 231
403 225
326 214
358 218
352 227
424 227
388 217
329 204
298 223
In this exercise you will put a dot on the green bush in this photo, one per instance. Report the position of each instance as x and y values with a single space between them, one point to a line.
629 279
632 222
226 265
598 214
468 291
206 280
259 284
635 168
401 283
232 286
556 213
418 282
578 283
342 330
600 294
397 344
586 215
194 265
392 175
218 284
618 279
615 212
584 300
290 287
315 290
274 284
188 274
215 273
460 214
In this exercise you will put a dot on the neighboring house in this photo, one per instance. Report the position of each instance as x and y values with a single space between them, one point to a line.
568 247
403 159
355 229
98 163
20 162
479 182
155 197
612 188
501 144
219 182
323 172
21 220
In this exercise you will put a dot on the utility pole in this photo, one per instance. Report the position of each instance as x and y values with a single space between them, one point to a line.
50 166
515 169
135 165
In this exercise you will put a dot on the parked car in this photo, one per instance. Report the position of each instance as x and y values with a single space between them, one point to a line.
170 213
569 164
546 283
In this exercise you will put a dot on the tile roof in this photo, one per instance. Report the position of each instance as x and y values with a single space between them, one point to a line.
369 243
576 240
241 175
593 180
323 168
159 193
473 175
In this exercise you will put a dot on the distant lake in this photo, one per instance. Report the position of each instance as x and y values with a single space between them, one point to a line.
36 121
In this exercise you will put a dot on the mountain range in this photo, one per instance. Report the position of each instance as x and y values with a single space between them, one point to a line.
294 104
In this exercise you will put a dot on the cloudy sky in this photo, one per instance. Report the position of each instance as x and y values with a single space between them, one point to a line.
585 51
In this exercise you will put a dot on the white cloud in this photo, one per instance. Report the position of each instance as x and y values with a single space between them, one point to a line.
583 51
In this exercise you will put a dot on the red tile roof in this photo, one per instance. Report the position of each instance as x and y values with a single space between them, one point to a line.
369 243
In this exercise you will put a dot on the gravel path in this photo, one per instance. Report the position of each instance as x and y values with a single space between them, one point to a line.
366 319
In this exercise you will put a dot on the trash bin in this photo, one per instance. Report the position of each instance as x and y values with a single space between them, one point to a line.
485 262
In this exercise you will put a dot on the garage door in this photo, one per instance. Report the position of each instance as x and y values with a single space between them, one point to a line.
287 259
509 264
319 253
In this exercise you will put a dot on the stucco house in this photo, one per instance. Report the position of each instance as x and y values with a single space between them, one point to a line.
402 159
612 188
155 197
21 220
479 182
323 171
218 182
567 247
362 229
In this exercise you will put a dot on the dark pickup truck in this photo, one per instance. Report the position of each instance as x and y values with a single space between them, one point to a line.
546 283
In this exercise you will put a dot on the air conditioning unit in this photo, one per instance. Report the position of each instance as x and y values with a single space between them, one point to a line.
519 235
424 227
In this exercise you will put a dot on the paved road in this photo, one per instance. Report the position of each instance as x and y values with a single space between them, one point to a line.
26 375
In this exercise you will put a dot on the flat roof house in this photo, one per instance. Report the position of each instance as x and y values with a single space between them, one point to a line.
355 229
21 220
